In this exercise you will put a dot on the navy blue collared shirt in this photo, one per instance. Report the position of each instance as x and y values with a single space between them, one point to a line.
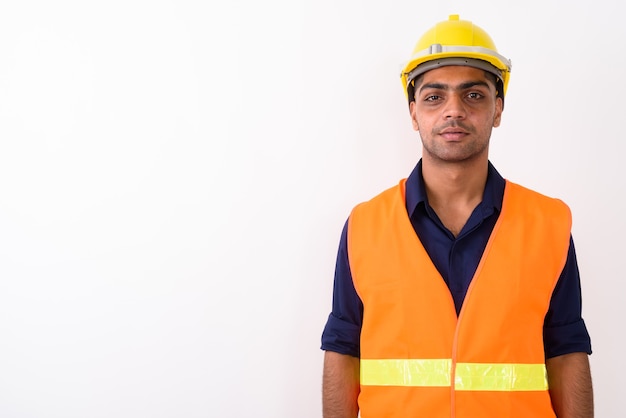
456 259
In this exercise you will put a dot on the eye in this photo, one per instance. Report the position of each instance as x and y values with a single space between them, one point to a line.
432 98
475 95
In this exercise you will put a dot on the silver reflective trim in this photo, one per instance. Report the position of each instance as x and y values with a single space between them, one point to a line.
440 49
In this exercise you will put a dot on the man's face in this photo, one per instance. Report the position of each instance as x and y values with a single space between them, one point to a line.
454 110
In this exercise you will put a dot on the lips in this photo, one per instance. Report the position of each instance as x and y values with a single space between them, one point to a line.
452 131
453 134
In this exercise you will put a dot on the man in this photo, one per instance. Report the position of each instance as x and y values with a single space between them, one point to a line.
457 292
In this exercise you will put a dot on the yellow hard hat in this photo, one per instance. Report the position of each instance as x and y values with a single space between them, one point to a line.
455 42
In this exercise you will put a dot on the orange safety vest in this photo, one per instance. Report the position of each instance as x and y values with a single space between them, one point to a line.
417 358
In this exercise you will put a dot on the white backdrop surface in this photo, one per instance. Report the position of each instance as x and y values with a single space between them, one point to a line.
174 176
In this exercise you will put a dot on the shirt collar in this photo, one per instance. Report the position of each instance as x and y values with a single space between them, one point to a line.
492 196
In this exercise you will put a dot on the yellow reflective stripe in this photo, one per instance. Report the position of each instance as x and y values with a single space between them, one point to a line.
468 376
500 377
411 372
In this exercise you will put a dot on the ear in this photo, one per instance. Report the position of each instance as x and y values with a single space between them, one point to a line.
413 111
498 115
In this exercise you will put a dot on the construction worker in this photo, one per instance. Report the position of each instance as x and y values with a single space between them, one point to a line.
457 292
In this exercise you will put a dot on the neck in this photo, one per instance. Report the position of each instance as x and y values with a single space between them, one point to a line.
454 190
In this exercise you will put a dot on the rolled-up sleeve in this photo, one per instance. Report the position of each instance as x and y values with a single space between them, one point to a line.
342 332
564 329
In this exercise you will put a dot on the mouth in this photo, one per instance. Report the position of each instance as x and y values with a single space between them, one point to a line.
453 134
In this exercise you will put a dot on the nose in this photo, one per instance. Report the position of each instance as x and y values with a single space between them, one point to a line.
454 108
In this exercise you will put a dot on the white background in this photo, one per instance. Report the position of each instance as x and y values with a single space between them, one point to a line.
174 177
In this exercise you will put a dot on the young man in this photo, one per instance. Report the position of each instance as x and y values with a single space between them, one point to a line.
457 292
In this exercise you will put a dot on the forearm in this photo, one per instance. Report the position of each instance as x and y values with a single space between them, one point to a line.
340 386
569 378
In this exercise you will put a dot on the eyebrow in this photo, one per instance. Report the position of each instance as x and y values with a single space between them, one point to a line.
462 86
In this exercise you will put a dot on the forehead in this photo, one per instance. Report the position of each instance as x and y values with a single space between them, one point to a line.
454 75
